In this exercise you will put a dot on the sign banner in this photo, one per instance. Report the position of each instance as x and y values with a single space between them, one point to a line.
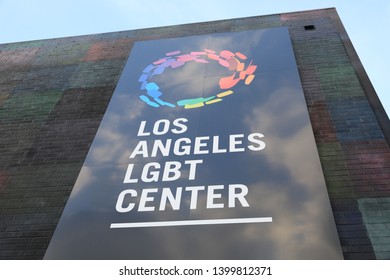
206 151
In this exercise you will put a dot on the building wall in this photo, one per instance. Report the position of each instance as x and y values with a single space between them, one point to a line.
53 94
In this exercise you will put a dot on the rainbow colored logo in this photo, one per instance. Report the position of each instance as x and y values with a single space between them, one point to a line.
235 62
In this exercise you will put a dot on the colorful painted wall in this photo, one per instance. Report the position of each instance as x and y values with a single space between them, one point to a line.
53 94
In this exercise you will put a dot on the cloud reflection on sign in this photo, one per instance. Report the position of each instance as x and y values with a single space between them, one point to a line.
284 180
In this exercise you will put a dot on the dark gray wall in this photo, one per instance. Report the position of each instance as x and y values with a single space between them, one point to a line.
53 94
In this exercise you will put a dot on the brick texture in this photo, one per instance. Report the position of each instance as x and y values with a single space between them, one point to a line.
53 94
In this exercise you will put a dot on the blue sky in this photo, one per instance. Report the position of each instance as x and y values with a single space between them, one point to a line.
366 22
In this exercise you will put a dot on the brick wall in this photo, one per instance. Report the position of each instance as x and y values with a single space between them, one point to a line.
354 152
53 94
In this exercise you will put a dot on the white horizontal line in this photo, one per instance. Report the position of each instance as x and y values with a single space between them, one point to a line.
193 222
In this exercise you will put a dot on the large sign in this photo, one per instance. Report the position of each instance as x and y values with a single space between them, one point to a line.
206 151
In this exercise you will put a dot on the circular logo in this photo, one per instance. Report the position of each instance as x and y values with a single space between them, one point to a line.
234 62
